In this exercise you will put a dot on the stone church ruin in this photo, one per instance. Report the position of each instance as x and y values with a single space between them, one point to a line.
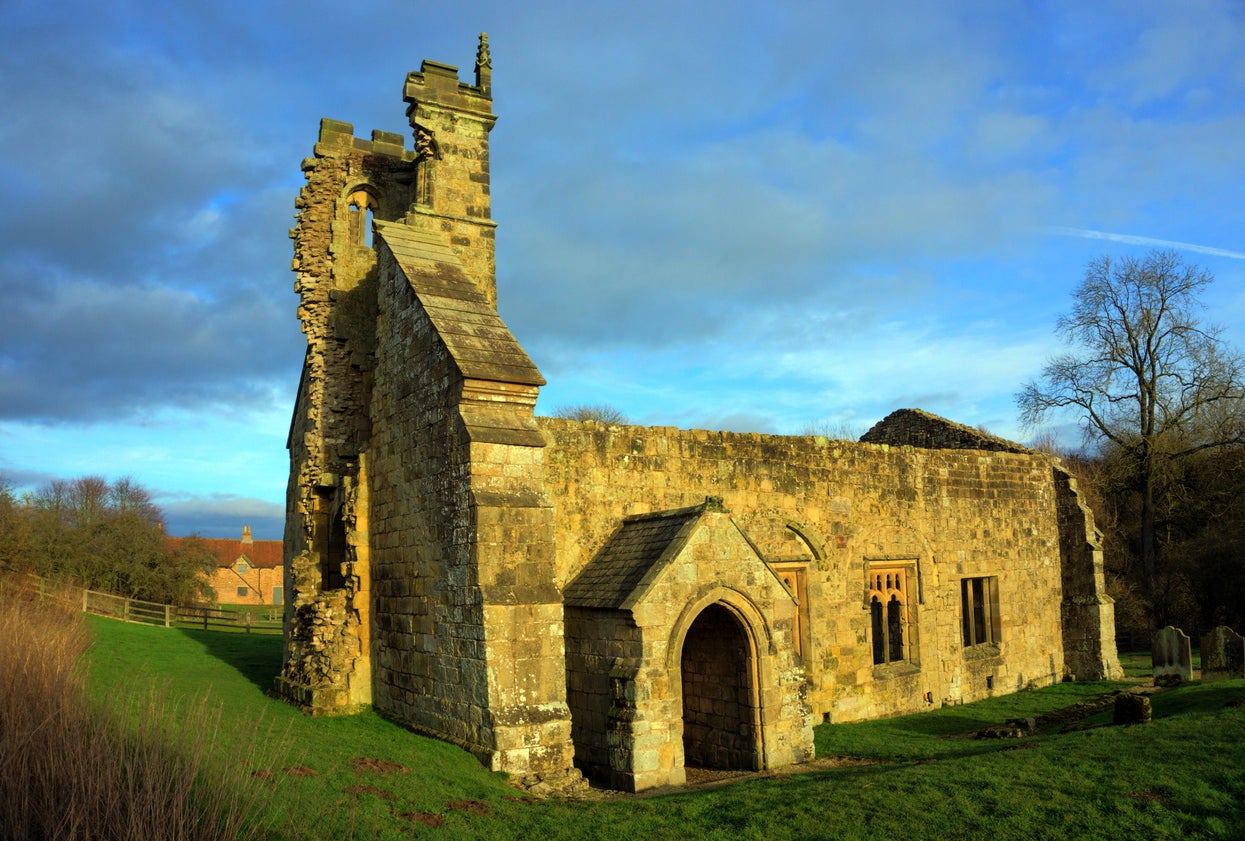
563 597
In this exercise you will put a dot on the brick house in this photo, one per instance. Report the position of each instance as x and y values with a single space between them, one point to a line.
248 571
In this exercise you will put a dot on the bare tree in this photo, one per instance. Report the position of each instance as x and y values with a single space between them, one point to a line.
591 411
1149 377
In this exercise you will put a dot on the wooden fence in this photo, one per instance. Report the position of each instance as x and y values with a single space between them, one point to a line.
219 618
153 613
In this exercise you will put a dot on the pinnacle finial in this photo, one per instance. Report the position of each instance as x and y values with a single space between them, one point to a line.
483 59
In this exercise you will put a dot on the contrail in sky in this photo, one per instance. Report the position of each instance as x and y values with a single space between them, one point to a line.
1136 240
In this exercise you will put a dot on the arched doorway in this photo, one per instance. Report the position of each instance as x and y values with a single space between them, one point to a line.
720 710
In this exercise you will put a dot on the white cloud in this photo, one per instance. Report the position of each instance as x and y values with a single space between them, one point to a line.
1133 239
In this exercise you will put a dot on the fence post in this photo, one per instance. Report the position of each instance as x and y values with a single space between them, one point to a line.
205 610
167 622
248 621
85 591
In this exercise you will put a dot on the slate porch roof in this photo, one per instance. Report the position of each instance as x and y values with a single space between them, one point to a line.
641 543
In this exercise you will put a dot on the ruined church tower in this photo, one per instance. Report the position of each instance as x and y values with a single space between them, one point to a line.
420 569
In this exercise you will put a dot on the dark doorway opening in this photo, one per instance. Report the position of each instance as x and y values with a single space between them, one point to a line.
720 715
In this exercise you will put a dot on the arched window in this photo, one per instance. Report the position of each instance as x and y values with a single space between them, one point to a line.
894 630
888 615
362 205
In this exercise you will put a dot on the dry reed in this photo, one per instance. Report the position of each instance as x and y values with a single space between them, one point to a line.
133 767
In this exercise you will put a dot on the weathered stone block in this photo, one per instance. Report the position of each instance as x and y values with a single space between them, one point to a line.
1131 708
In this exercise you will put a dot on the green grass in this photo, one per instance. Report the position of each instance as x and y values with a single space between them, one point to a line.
1180 777
1137 664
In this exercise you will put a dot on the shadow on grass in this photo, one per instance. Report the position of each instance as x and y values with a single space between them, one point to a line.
257 657
1199 697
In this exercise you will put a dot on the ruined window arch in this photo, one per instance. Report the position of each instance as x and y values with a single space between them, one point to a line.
361 206
330 541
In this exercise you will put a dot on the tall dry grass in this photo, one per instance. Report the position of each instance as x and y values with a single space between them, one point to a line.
132 767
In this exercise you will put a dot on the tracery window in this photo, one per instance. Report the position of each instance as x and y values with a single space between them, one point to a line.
888 610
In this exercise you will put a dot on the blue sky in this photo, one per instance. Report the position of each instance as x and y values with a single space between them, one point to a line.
724 215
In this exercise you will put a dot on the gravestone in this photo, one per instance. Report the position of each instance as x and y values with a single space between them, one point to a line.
1172 656
1223 655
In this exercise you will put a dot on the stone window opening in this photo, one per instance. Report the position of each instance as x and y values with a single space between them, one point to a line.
794 575
979 600
362 213
331 533
889 626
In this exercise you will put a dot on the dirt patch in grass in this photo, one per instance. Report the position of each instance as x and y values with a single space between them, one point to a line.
702 776
423 818
1150 796
376 766
301 771
1021 746
713 777
476 807
372 790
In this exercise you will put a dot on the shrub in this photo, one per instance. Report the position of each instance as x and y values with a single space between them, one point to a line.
598 412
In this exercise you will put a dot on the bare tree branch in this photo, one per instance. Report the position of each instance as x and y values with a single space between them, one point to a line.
1146 374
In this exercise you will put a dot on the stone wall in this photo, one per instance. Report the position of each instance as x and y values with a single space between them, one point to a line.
840 509
326 665
1088 612
599 646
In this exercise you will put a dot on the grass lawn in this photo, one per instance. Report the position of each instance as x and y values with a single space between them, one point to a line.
1182 776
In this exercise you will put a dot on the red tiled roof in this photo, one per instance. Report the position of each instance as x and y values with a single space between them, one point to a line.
266 554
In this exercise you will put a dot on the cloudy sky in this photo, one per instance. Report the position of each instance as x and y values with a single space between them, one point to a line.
728 215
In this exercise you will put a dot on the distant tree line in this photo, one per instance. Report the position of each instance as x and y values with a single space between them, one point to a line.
102 536
1161 399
